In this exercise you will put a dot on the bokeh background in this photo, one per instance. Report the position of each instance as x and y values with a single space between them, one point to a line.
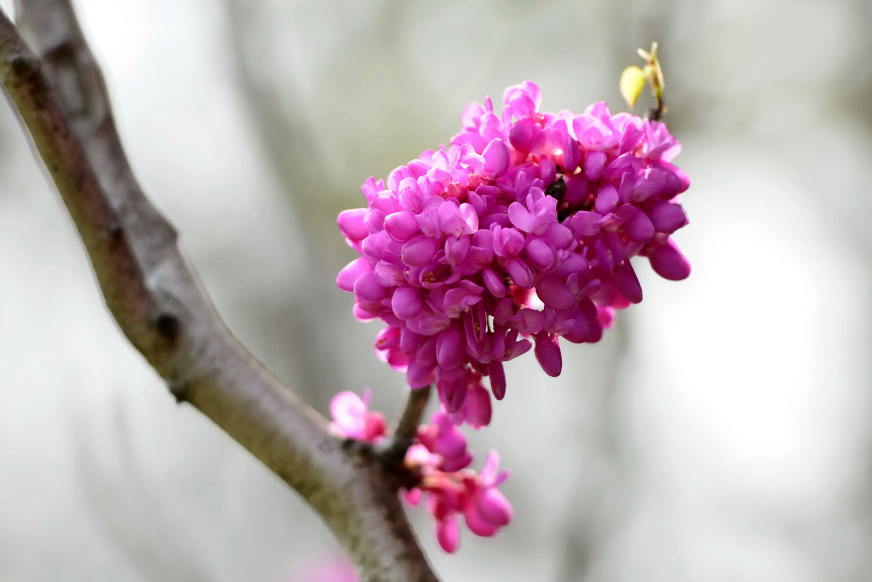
721 432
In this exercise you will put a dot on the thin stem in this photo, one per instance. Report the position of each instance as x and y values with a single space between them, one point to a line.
392 451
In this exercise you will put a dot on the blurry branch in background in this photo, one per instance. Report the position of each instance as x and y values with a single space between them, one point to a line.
133 518
160 306
594 521
289 146
284 124
281 117
288 137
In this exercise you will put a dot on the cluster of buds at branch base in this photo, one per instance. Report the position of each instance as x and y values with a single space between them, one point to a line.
440 460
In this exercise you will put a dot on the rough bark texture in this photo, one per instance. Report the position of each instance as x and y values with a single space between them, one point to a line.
161 307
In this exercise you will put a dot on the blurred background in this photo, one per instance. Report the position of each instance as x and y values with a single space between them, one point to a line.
721 432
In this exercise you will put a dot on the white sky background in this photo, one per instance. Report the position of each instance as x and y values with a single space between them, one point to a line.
735 446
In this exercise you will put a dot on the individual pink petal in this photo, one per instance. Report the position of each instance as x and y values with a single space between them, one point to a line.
548 354
409 341
375 427
535 94
375 245
594 165
529 321
348 411
606 199
668 262
606 316
639 227
494 507
558 235
478 525
491 469
497 376
419 251
367 288
521 348
553 293
451 347
508 242
469 216
448 534
351 223
496 158
449 441
477 408
363 315
493 283
521 134
419 375
350 273
574 263
575 330
520 273
401 226
540 254
667 217
412 497
603 256
454 465
407 302
390 274
584 223
456 249
426 354
625 280
388 338
520 217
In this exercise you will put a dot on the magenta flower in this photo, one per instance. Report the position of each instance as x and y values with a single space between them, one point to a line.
452 493
440 460
522 232
352 418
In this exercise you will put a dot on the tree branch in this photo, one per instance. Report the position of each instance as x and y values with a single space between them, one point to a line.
160 306
392 450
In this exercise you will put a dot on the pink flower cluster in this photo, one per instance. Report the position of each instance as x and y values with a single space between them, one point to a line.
441 459
524 228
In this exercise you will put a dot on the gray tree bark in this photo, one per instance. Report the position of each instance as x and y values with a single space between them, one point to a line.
159 304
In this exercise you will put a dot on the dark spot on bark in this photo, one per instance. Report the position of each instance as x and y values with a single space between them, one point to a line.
168 326
179 390
23 66
350 445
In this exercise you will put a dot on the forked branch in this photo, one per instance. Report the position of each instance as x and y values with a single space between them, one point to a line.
159 304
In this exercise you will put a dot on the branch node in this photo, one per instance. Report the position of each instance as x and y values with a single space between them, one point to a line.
168 326
24 66
179 390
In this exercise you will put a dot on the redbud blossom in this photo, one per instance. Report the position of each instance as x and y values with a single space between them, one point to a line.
524 230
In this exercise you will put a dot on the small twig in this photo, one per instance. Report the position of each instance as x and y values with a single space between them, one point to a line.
392 450
656 113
